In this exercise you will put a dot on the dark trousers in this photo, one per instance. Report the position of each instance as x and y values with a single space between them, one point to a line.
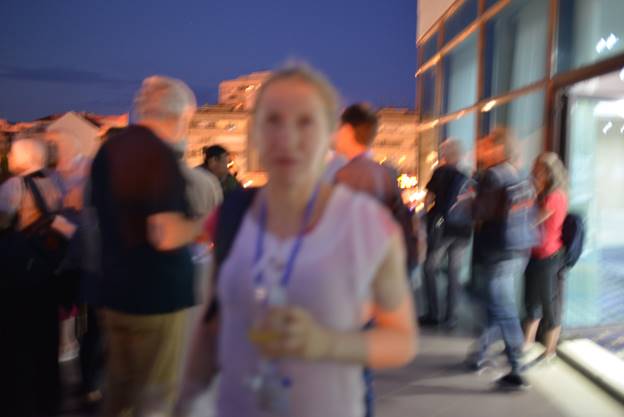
91 353
499 298
29 351
454 249
542 290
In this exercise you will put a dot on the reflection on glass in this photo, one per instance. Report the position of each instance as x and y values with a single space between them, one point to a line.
515 46
595 286
428 81
428 155
460 70
525 117
588 31
430 47
463 17
490 3
463 130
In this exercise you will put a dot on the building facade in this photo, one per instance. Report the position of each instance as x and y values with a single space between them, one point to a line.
221 125
240 93
553 72
395 140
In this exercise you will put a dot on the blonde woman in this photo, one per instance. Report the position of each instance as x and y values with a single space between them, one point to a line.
310 264
541 286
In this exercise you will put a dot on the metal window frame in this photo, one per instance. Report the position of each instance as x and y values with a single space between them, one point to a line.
551 82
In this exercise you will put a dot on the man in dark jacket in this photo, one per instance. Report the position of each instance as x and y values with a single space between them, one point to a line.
495 266
445 241
216 160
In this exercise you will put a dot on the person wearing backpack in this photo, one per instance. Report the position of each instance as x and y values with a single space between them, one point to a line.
504 234
542 298
306 262
445 238
30 327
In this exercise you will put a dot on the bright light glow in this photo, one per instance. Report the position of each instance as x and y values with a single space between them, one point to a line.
248 184
622 74
435 164
402 159
230 164
622 129
489 106
417 196
611 41
606 44
607 127
433 156
406 182
614 108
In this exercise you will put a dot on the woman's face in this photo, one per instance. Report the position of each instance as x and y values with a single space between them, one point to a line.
292 132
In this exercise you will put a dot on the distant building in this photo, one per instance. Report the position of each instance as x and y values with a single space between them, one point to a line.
395 142
86 133
240 93
221 125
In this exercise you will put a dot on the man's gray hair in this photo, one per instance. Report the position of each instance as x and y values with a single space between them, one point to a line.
451 151
161 97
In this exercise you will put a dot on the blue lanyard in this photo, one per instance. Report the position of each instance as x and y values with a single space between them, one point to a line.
259 279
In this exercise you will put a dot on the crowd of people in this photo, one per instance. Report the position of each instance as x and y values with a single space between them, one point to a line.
309 284
517 230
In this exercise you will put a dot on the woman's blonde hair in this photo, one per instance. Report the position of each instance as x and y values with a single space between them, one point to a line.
556 173
307 75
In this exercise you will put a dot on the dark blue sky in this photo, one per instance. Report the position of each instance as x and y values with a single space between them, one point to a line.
91 55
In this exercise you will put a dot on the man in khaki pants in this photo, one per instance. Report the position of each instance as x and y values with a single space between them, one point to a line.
145 287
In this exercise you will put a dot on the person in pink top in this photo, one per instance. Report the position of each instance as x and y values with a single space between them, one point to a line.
541 286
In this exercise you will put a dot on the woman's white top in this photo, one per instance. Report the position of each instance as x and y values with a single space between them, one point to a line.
331 279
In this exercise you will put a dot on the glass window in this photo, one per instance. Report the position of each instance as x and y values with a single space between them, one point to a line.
516 46
428 155
460 76
430 47
490 3
458 21
463 130
589 31
525 117
594 153
427 83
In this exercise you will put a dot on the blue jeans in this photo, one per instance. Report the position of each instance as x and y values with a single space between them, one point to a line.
454 249
499 297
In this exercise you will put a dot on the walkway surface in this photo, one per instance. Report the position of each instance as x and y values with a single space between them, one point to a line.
436 384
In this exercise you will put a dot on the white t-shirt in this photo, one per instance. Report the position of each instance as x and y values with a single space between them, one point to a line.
331 279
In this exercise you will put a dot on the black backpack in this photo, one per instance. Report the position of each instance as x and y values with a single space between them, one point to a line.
573 237
231 214
32 257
